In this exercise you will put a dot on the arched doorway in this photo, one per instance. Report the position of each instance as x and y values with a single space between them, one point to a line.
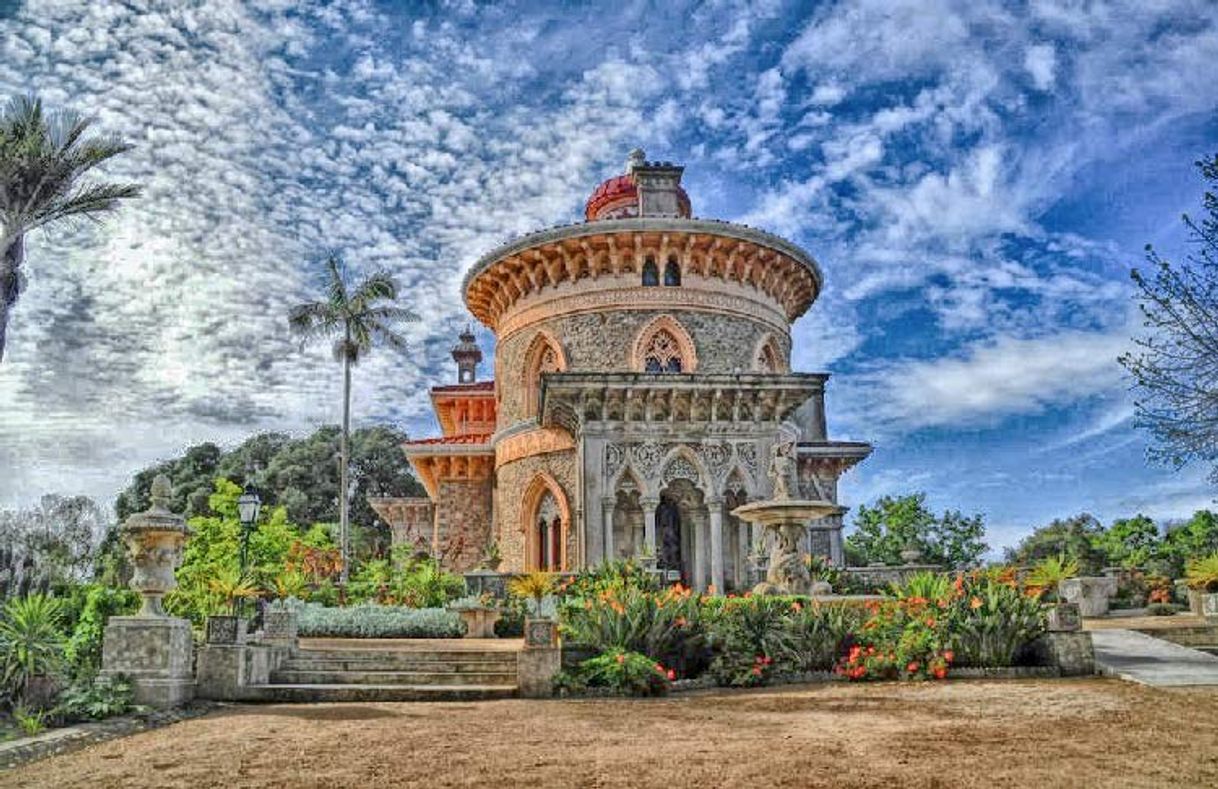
546 523
682 533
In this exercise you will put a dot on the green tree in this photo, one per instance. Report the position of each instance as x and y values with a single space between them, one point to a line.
1073 538
1131 542
43 160
355 316
1176 366
894 524
1196 537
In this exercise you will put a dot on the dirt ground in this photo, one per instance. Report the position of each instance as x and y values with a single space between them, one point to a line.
1083 733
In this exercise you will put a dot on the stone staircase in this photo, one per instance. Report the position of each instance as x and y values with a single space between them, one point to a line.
352 673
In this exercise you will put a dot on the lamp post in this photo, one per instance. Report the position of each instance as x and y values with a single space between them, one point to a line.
248 505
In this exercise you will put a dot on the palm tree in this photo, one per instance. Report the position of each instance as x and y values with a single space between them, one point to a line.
42 160
356 317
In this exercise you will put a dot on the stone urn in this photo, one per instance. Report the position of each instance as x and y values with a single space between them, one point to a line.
1090 594
154 539
1064 618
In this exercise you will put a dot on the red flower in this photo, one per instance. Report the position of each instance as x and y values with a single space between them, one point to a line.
756 671
949 656
930 621
912 668
659 668
939 672
672 675
796 607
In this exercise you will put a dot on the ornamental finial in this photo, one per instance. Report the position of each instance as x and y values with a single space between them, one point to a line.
161 492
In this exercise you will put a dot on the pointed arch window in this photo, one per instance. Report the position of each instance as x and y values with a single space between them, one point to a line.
663 354
651 275
548 540
543 357
672 274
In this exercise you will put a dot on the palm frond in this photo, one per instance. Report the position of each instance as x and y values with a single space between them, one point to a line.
88 202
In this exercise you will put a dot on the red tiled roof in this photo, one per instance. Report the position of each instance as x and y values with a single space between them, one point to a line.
477 386
469 438
618 188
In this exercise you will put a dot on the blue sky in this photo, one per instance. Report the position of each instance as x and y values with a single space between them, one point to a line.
976 179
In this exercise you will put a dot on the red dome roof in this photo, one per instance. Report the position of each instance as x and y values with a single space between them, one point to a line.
617 192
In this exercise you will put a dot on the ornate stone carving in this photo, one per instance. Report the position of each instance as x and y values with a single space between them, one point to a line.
715 455
615 458
680 468
782 471
747 453
647 458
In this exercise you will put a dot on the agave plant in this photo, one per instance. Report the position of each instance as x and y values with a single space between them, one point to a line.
535 585
31 642
1202 574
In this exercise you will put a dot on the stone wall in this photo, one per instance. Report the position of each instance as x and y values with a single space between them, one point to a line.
604 341
463 522
513 480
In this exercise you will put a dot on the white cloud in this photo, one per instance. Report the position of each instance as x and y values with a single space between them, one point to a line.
1041 62
994 379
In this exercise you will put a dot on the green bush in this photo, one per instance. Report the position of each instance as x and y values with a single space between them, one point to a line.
404 580
369 620
31 643
666 626
1163 609
818 634
625 672
747 636
94 700
83 650
511 622
991 621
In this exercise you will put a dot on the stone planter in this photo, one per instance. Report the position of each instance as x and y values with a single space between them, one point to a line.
1064 618
540 633
1091 595
479 621
225 630
1209 605
279 626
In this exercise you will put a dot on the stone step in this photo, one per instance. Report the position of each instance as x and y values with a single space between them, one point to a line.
397 663
415 678
365 693
409 654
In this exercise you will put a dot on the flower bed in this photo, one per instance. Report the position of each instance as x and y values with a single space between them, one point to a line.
370 620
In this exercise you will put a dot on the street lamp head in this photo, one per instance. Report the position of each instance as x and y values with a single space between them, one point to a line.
248 506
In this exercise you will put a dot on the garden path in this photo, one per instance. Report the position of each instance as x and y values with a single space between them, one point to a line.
1151 661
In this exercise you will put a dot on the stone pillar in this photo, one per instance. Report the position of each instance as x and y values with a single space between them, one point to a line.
700 554
649 524
716 544
608 503
153 649
742 552
837 549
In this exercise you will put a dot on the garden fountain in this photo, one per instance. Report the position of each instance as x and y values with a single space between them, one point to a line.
787 519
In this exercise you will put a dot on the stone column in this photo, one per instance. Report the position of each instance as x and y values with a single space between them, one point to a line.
700 554
742 551
153 649
837 549
649 524
608 503
716 544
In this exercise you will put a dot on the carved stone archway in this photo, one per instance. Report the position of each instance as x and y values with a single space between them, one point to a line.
545 545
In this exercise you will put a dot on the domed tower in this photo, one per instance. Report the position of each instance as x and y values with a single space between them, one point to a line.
642 374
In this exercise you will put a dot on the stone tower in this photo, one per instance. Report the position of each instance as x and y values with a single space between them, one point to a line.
467 354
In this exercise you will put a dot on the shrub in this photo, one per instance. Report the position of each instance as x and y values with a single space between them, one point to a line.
1046 576
1202 574
666 626
405 580
818 634
370 620
1163 609
626 672
615 576
991 621
94 700
84 647
31 643
511 621
747 635
927 585
902 639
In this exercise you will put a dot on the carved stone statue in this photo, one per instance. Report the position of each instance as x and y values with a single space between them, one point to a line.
782 470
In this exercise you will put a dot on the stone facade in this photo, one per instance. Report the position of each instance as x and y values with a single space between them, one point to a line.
642 374
463 522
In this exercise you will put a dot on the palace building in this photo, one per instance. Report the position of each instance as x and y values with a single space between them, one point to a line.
641 376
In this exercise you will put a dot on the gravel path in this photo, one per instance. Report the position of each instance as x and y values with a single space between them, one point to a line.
1067 733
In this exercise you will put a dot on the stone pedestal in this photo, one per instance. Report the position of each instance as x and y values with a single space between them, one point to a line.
535 670
1090 594
155 653
232 672
479 622
1072 653
279 628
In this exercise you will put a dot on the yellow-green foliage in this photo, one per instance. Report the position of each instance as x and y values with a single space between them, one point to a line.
1203 573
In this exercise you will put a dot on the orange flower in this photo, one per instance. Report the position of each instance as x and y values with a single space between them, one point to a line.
796 607
949 656
939 672
621 659
975 603
912 668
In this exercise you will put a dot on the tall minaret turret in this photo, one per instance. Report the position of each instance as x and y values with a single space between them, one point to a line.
467 355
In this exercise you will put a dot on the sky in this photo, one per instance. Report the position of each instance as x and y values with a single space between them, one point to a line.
975 178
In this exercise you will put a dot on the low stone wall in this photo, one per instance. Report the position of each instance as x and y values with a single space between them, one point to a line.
1199 637
879 577
1070 652
225 672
